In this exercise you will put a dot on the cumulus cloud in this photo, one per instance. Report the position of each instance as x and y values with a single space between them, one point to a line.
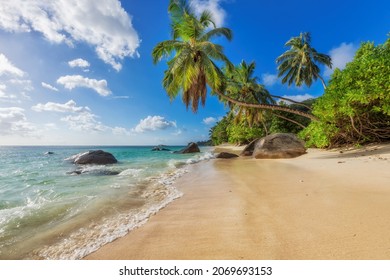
79 62
7 68
48 86
298 97
14 122
269 79
84 121
209 120
213 6
106 25
72 81
153 123
68 107
340 55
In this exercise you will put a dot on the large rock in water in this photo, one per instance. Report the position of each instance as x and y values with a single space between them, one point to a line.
279 145
94 157
191 148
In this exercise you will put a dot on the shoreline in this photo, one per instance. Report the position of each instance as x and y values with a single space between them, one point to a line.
323 205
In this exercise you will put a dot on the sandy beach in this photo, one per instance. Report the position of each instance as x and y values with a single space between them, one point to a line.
322 205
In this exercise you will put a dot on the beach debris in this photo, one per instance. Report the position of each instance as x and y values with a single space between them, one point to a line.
93 157
279 145
191 148
226 155
160 148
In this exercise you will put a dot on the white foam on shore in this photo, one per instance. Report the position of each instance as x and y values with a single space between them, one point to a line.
157 194
84 241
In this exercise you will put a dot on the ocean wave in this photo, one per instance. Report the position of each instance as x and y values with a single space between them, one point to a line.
135 172
90 238
85 212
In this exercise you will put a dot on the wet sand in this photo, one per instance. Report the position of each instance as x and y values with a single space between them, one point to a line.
322 205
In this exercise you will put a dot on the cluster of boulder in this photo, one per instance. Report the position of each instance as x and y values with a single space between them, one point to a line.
278 145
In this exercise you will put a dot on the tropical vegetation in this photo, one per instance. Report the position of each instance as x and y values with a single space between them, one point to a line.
298 64
354 109
194 58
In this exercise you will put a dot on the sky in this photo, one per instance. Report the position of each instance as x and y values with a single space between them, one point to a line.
80 72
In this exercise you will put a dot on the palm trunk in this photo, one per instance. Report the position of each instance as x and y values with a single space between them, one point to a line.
289 120
322 81
292 101
271 107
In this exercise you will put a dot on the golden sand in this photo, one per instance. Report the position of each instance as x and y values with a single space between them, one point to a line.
322 205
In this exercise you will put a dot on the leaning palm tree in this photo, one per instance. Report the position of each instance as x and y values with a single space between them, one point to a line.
298 64
194 58
242 85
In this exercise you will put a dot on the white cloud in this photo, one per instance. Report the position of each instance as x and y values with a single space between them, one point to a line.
105 25
3 95
84 121
209 120
153 123
269 79
79 62
213 6
73 81
6 67
340 55
298 97
87 122
14 122
49 86
177 132
120 131
68 107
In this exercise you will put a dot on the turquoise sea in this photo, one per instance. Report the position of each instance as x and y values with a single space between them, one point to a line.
47 211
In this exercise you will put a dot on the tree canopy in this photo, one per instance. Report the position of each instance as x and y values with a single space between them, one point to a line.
298 64
355 108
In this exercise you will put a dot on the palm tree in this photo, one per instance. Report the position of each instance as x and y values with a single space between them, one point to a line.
242 85
193 66
298 64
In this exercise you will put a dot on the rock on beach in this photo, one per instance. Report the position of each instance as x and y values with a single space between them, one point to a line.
279 145
226 155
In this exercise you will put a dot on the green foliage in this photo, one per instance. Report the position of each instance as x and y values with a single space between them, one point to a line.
298 64
229 131
287 123
192 65
218 133
355 108
241 133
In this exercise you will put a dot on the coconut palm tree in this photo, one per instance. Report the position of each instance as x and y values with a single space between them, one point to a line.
193 66
298 64
242 85
194 58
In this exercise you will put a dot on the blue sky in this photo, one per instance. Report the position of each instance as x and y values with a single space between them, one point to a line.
79 72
